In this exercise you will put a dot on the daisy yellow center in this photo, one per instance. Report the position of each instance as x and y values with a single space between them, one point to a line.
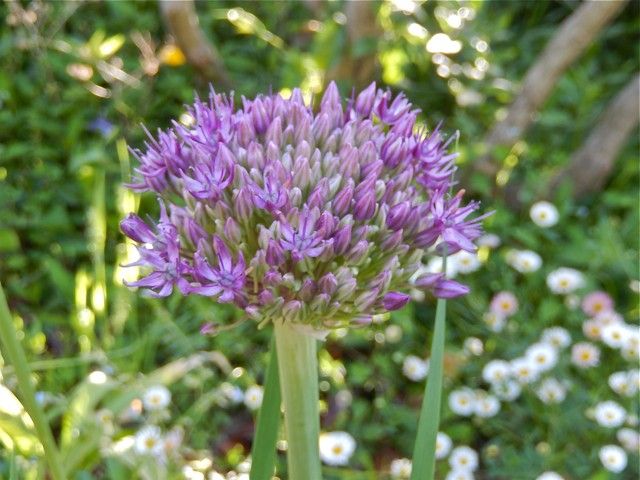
337 449
150 442
564 283
585 355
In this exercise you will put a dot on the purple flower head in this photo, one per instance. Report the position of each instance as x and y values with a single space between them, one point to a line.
314 216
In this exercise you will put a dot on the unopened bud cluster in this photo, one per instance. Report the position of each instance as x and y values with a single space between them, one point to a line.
322 218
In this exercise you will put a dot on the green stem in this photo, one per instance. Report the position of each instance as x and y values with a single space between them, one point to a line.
263 452
424 452
15 354
298 367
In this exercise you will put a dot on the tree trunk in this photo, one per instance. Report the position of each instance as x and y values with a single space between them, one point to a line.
182 21
358 69
590 166
575 34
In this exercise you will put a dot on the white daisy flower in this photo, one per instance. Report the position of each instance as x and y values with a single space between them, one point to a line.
551 391
393 333
496 371
623 383
466 262
609 317
592 329
487 406
524 370
543 355
494 321
336 448
614 335
504 304
609 414
400 468
549 476
443 445
459 474
148 441
414 368
544 214
613 458
473 346
629 439
231 393
253 397
557 337
463 458
435 266
507 391
489 240
524 261
462 401
157 397
564 280
585 355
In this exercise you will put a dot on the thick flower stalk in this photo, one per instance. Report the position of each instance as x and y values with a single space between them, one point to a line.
321 219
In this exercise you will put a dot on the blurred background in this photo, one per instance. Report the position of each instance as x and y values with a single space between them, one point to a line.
545 97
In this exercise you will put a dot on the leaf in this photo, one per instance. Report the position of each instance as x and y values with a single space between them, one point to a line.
263 451
424 452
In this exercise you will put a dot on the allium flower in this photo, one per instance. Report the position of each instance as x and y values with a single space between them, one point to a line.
544 214
156 398
597 302
613 458
400 468
414 368
336 448
564 280
318 217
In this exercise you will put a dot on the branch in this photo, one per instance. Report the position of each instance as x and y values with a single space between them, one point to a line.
182 21
590 166
573 36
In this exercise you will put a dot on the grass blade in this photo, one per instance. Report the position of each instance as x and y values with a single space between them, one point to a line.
424 451
12 351
263 451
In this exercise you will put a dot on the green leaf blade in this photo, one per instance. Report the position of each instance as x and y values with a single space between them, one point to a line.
424 452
